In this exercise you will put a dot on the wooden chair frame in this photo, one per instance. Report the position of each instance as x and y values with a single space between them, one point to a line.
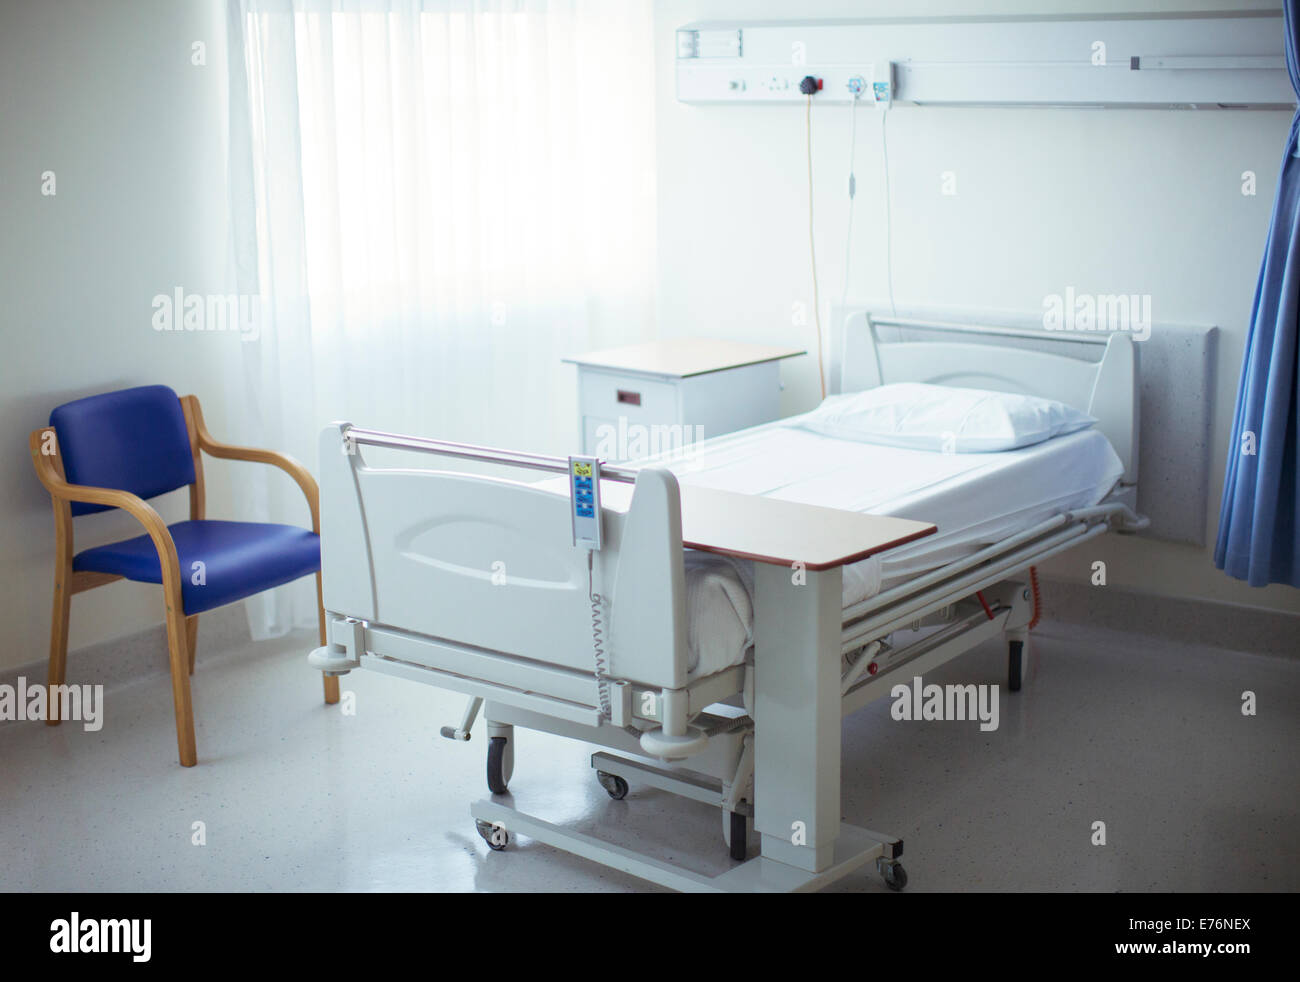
182 631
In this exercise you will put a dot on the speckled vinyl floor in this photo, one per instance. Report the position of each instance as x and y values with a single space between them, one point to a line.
1146 737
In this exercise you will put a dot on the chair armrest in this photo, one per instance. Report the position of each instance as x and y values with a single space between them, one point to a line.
284 462
133 505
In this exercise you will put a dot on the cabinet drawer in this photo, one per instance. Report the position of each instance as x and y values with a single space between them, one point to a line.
639 400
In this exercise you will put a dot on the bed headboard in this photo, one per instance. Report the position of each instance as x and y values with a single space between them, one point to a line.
1094 372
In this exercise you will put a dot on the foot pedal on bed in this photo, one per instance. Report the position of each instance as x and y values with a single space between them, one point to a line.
332 659
339 659
657 743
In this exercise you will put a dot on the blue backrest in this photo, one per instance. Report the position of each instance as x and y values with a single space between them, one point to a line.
132 440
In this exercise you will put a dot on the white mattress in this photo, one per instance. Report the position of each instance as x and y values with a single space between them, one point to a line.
974 499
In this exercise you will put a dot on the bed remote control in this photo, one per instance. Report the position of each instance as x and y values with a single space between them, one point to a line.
584 501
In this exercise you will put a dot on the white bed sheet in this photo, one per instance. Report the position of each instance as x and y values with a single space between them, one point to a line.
974 499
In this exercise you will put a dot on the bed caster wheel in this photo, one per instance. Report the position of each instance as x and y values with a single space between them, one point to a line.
736 840
1015 659
495 836
894 875
496 758
614 785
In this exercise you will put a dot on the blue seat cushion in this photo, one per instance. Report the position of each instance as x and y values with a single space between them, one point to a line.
239 559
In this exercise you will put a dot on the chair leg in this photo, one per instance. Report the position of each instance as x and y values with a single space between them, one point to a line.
178 650
331 681
59 637
192 637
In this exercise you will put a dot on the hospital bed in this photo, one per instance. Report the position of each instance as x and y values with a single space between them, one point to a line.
734 610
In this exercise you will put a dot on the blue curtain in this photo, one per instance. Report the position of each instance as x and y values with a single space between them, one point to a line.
1259 523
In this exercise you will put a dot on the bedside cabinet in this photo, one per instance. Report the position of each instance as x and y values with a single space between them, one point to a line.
646 398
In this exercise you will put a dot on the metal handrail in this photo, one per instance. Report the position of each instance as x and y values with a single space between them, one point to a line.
470 451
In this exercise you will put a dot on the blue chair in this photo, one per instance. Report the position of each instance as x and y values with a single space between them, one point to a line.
114 451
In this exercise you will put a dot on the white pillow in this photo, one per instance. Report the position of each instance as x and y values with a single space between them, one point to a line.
918 416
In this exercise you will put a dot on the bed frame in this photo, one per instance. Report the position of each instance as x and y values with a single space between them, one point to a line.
409 557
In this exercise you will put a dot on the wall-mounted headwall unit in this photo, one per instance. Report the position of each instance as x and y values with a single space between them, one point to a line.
1206 61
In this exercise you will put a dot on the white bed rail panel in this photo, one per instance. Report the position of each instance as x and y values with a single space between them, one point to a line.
347 580
490 563
479 560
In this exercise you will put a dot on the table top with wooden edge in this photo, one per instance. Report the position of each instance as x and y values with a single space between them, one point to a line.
769 530
683 357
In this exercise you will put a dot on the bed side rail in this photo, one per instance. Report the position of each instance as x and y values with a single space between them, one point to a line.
490 563
920 596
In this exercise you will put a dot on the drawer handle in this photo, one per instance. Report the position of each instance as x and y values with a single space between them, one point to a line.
629 398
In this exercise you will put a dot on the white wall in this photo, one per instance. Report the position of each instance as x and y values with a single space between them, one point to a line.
1133 201
104 95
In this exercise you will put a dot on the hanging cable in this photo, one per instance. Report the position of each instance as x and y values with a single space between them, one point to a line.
598 644
1038 599
598 639
889 224
812 252
853 190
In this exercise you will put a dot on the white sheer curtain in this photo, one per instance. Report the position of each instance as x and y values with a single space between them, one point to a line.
434 201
